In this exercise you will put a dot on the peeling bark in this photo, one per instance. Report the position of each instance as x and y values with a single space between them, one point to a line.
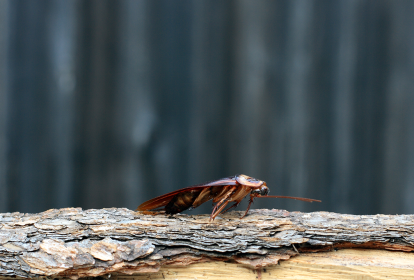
74 243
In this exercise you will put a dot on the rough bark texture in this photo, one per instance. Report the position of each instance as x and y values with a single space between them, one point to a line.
74 243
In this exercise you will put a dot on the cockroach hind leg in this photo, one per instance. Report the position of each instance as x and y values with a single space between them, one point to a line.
234 205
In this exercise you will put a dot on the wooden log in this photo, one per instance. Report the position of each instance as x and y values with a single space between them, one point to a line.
265 244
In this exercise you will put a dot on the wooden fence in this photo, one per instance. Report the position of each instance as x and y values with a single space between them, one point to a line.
108 103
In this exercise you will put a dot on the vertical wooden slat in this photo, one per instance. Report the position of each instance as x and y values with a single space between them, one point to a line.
250 91
343 108
4 41
171 81
398 192
96 150
322 45
62 82
31 166
135 112
210 108
298 113
369 97
275 153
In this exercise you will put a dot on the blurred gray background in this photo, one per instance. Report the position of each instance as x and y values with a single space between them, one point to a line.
110 103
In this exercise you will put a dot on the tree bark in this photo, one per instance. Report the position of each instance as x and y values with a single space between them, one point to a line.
74 243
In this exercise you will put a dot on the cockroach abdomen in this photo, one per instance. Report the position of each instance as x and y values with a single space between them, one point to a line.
181 202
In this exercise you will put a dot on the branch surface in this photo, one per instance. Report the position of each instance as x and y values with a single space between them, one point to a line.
74 243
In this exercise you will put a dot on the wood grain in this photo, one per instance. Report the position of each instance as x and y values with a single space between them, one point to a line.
342 264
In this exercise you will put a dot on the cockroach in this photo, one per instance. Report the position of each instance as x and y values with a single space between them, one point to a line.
222 192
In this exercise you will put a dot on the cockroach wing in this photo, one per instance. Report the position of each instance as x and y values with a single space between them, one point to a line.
163 200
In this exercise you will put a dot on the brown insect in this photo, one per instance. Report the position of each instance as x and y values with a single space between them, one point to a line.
222 191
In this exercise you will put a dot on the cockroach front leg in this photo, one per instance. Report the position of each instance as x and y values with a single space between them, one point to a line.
248 207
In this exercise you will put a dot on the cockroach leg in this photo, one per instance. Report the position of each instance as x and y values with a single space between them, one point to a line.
234 205
214 210
224 198
213 216
248 207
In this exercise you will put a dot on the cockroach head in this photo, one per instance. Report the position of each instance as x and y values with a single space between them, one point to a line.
263 190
